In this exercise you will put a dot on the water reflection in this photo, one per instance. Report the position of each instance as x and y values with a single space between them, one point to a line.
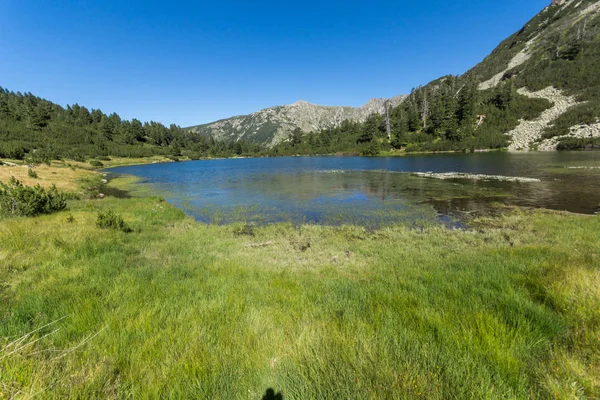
337 190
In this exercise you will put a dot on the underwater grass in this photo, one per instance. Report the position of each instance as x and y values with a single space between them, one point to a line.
509 309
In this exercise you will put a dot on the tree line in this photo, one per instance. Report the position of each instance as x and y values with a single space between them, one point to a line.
448 114
33 127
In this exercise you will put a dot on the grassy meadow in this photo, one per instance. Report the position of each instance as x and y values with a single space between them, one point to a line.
177 309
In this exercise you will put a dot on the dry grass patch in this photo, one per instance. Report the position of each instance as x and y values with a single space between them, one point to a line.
65 178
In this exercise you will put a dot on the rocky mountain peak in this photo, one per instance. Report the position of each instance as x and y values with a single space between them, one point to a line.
274 125
300 103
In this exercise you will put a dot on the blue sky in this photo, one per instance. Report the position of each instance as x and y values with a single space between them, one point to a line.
191 62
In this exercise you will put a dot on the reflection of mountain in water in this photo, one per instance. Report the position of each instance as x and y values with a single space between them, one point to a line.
373 190
445 196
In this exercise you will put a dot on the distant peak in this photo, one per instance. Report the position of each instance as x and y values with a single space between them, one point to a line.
300 103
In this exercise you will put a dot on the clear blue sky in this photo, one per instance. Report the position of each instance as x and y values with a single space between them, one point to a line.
190 62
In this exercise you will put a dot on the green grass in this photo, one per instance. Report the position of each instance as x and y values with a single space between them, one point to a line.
184 310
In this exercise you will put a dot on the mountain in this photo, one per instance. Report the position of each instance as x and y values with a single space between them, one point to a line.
555 57
539 89
275 125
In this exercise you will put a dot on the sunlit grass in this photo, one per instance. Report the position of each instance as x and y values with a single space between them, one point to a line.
64 177
509 309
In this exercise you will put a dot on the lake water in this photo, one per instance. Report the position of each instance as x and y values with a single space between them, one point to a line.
374 190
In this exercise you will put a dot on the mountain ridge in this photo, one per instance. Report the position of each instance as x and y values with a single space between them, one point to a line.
273 125
554 50
538 89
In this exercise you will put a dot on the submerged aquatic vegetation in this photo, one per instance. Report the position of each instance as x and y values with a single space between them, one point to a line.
477 177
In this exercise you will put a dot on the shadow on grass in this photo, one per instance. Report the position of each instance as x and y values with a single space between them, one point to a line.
270 395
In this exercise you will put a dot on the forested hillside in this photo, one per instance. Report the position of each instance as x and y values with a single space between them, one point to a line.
441 116
274 125
559 48
34 128
540 88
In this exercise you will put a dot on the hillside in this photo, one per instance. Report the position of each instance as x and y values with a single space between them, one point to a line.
38 130
539 89
556 57
276 124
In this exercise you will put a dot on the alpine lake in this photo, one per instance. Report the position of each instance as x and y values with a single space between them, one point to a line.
417 190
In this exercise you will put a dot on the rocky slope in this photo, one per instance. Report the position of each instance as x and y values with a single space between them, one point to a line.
553 57
274 125
528 132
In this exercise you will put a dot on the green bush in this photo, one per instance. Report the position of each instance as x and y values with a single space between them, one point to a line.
12 151
111 220
96 163
372 150
40 157
32 174
17 199
571 143
244 230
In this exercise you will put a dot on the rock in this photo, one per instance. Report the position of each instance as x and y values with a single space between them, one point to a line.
578 131
517 60
527 132
101 195
475 177
265 244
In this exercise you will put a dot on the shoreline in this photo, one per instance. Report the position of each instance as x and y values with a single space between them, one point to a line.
173 292
125 162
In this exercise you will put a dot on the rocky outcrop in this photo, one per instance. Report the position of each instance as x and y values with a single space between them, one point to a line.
517 60
274 125
578 131
527 132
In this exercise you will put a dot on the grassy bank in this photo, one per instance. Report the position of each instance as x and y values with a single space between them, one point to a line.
185 310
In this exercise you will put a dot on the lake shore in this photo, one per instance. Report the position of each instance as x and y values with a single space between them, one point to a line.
180 309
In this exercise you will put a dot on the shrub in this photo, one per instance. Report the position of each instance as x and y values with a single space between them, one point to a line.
32 174
571 143
77 157
244 230
96 163
19 200
70 219
91 186
103 158
111 220
13 151
39 157
372 150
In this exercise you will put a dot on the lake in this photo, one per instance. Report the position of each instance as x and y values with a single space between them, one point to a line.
375 190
